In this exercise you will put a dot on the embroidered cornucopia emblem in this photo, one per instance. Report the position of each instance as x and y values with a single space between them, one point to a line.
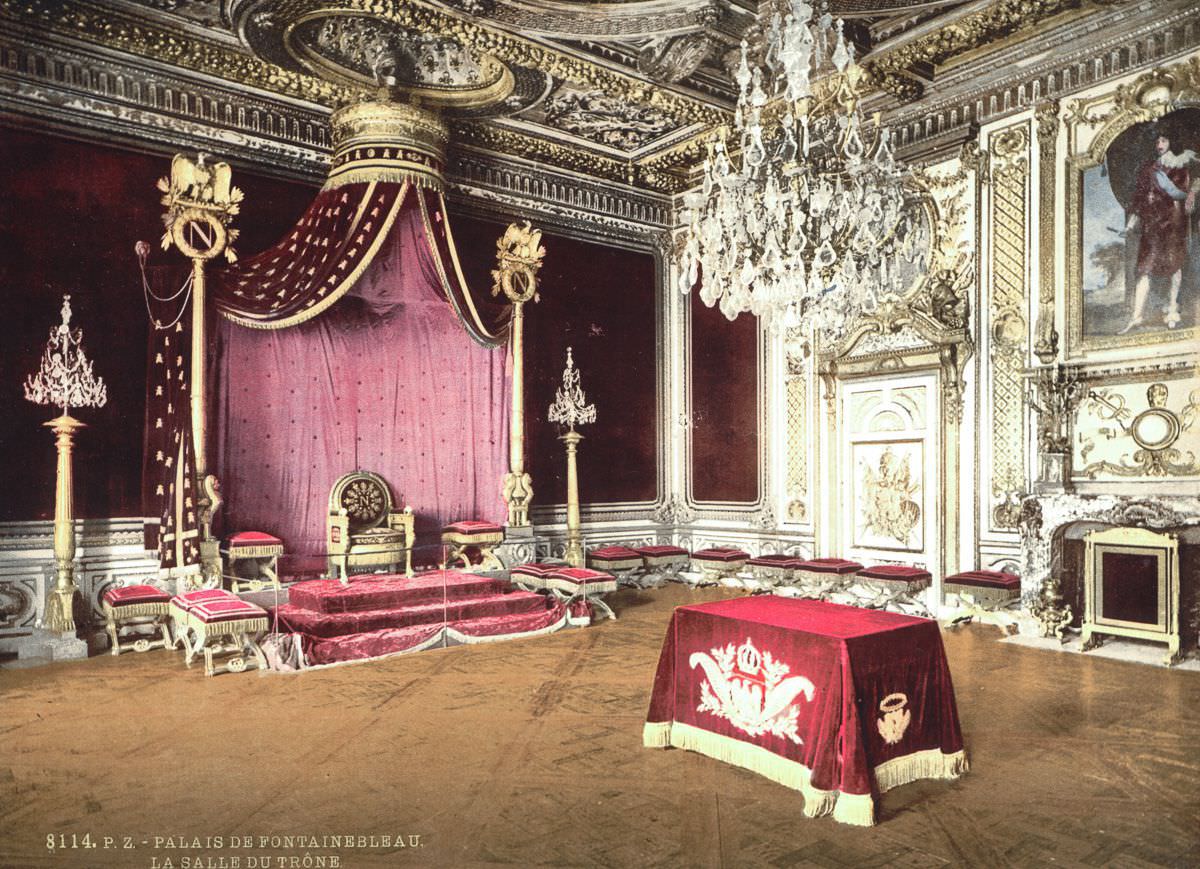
751 690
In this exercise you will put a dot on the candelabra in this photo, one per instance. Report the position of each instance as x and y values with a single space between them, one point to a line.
1055 393
804 216
64 379
570 408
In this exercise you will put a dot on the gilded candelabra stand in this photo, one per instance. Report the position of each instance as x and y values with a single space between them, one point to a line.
65 379
570 409
519 255
1055 395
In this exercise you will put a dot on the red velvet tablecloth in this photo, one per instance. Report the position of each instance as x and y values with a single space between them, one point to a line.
837 702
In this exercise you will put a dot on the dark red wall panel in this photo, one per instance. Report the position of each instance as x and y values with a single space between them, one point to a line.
600 301
724 375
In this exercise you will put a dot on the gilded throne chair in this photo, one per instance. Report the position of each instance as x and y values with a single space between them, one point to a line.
366 532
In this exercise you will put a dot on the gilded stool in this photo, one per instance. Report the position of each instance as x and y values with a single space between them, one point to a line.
227 626
663 561
718 563
131 608
989 589
531 576
772 570
573 584
180 606
621 561
817 577
895 583
262 552
473 534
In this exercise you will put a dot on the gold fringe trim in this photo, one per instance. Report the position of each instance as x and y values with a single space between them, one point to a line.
422 177
470 640
480 333
858 809
130 610
656 734
228 626
932 763
264 551
347 282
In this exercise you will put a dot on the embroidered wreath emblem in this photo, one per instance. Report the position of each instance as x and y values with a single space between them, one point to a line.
751 690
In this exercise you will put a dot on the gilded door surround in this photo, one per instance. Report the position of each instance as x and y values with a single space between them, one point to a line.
1092 124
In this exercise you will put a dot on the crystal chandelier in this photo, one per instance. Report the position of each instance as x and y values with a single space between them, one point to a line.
804 218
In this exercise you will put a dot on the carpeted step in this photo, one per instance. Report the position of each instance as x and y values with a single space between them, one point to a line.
391 591
389 641
297 619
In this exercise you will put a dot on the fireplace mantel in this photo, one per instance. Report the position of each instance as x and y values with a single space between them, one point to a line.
1042 515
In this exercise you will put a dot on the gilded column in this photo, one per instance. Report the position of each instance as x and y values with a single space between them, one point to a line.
574 553
60 606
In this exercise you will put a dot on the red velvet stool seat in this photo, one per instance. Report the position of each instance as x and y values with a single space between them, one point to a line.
897 578
473 534
132 608
819 576
218 622
662 561
621 561
532 575
256 553
990 589
718 563
773 569
582 584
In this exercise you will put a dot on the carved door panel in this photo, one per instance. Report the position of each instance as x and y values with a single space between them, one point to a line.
888 471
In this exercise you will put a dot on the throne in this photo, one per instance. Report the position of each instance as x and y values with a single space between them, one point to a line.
365 532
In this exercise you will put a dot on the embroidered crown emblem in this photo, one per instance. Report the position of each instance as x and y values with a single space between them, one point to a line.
751 690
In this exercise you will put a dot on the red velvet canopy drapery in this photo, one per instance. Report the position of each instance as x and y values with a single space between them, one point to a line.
354 359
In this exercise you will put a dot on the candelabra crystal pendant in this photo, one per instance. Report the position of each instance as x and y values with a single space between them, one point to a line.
802 216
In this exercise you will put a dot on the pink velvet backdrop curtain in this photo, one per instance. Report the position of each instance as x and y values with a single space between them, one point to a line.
386 381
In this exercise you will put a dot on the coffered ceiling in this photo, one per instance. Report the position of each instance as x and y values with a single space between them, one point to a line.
625 89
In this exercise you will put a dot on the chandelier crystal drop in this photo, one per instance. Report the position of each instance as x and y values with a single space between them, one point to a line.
803 218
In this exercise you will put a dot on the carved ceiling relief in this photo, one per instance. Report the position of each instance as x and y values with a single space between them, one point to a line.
1138 430
607 120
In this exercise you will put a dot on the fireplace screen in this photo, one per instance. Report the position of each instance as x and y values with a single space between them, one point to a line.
1132 586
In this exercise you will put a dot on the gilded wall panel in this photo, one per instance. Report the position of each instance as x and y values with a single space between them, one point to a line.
1139 431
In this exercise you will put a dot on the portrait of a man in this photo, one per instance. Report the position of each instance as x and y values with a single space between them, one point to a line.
1141 230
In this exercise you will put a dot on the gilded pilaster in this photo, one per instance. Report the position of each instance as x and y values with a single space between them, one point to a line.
1007 318
796 394
1046 344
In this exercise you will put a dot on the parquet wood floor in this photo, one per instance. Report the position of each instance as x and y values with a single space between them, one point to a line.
529 753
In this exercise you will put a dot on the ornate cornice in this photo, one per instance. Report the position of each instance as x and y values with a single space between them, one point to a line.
502 45
890 66
117 30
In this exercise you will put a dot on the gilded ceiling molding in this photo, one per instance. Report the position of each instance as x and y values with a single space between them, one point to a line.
960 36
257 20
599 20
117 30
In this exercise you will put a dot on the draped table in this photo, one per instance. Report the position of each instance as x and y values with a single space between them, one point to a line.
837 702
